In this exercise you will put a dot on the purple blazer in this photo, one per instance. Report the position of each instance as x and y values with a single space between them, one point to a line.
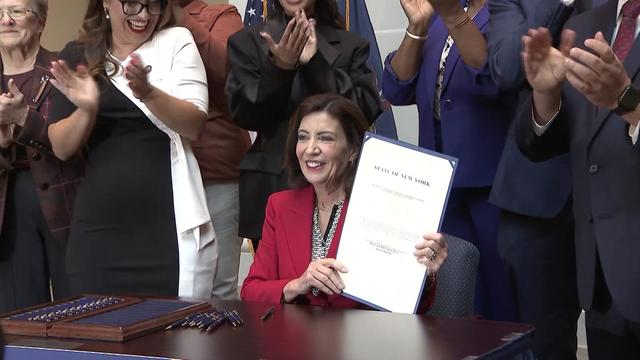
475 114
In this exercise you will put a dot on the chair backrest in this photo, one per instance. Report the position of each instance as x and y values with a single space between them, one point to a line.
455 292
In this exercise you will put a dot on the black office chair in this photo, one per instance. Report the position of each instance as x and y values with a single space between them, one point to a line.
455 292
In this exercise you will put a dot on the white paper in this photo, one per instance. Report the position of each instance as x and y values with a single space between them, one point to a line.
399 194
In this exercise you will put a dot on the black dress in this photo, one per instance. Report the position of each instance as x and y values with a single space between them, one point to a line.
123 233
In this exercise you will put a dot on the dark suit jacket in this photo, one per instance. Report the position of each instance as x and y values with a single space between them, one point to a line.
285 252
262 96
56 180
605 165
474 113
521 186
1 345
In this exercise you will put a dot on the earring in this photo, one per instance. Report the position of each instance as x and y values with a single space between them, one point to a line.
106 13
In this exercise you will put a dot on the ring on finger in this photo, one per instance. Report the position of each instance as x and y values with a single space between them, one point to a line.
433 256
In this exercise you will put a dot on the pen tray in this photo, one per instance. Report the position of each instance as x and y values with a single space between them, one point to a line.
99 317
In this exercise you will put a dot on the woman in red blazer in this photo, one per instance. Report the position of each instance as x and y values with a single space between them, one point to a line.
296 259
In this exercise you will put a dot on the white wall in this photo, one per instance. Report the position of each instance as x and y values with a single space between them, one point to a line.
389 23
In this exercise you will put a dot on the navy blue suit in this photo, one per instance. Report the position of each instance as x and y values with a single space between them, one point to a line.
534 189
605 165
475 116
535 237
1 345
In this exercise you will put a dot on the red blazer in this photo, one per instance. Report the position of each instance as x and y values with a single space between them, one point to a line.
285 252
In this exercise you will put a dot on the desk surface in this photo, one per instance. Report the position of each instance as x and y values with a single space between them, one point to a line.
305 332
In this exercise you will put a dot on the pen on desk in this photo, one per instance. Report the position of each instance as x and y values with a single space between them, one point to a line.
196 320
176 323
231 318
236 316
205 320
267 314
208 321
215 318
219 321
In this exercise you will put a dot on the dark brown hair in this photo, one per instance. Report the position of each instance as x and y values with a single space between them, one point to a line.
325 12
41 9
95 34
353 124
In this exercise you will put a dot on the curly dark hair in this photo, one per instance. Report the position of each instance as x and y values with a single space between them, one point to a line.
325 12
95 34
353 124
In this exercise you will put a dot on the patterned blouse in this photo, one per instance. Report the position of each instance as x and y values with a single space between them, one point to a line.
441 67
320 245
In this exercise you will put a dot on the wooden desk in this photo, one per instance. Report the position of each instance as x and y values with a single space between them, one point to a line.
304 332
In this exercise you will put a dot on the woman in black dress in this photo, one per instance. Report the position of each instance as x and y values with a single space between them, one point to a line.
120 105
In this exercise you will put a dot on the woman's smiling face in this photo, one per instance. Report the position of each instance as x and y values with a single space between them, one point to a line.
130 27
322 149
21 30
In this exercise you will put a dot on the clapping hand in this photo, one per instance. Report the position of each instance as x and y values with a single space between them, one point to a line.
136 73
286 53
311 47
418 12
446 8
440 4
78 86
599 75
13 109
432 251
544 65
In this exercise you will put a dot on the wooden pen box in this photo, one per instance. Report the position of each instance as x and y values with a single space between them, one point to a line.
99 317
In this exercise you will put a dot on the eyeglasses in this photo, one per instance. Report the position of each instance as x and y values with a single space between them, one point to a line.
135 7
15 13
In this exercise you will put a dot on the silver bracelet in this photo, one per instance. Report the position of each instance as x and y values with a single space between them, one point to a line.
414 36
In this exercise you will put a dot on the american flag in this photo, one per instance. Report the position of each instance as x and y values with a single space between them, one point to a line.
257 11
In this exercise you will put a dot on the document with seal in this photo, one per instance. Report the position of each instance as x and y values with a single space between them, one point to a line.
399 194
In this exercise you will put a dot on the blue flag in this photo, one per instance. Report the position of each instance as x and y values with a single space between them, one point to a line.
357 19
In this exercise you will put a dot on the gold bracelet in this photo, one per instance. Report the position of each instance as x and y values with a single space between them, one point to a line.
414 36
462 22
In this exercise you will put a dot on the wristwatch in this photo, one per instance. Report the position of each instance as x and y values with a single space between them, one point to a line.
628 100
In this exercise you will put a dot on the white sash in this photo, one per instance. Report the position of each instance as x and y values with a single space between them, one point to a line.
189 199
